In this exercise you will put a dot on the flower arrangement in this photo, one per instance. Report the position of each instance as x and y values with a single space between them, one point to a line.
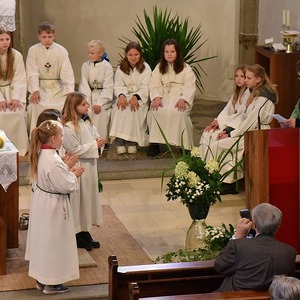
194 181
216 238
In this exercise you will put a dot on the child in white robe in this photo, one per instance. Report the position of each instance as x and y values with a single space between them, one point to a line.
230 115
172 89
258 107
51 245
80 139
96 83
50 75
129 123
13 87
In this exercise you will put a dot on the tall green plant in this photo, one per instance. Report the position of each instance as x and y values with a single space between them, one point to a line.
153 31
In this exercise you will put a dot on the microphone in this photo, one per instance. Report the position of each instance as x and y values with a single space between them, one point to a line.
258 114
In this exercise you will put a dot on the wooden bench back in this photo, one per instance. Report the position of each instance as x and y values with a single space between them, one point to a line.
244 295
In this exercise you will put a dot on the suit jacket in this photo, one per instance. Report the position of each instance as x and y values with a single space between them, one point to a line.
252 263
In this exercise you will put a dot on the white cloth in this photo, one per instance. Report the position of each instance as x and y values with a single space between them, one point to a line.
126 124
248 122
85 202
7 14
96 83
172 87
51 244
14 123
230 116
50 72
8 163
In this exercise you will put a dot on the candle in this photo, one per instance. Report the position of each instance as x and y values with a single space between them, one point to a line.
288 18
283 16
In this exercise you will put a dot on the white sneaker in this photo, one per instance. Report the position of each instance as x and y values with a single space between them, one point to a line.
132 149
121 149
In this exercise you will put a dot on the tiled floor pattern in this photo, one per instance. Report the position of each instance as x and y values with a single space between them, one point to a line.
159 226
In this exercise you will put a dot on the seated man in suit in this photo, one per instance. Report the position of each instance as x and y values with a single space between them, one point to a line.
251 263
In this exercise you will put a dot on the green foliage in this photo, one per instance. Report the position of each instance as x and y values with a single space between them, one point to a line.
216 238
153 31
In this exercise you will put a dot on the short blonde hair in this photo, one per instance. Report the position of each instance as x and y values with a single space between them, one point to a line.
97 45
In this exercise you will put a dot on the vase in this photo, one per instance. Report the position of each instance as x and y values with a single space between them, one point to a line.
195 237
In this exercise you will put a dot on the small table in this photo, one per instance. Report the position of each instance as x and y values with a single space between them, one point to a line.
9 197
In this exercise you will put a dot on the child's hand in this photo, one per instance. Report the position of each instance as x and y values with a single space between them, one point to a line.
78 171
97 109
181 105
70 160
35 97
101 142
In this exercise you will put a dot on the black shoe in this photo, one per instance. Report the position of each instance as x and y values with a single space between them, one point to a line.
228 188
86 236
153 150
82 242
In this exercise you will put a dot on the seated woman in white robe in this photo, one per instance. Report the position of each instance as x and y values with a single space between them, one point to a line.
261 103
50 75
172 89
129 123
230 115
13 87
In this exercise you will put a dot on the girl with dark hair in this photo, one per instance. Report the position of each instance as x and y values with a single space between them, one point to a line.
129 123
172 89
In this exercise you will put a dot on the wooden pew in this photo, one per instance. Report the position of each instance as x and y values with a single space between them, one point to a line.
162 279
244 295
166 279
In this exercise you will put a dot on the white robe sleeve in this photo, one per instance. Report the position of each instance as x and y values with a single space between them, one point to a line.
67 74
84 86
72 142
155 85
32 70
251 121
120 86
189 86
143 90
106 94
18 84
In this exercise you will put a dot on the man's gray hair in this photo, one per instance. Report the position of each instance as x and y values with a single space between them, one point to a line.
267 218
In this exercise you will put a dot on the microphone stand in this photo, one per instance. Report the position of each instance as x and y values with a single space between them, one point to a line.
258 114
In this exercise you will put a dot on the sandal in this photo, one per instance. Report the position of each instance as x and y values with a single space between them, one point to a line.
24 220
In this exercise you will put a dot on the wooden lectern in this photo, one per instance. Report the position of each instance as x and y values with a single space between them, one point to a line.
272 175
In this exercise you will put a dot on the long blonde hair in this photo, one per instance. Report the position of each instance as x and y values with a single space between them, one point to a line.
39 136
239 90
69 112
8 73
259 72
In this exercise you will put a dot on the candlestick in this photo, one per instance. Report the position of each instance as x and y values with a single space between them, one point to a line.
283 17
288 18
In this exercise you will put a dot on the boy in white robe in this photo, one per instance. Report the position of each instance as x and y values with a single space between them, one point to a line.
96 83
50 75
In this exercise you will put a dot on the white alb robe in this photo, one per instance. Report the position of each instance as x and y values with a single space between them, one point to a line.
85 202
248 122
230 116
50 72
96 83
172 87
51 244
126 124
14 123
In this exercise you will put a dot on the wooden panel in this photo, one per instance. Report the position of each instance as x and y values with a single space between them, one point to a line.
272 175
2 247
281 68
256 167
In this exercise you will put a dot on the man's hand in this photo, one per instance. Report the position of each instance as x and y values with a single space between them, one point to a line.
243 227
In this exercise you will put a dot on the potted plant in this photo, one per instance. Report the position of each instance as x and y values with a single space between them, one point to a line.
153 31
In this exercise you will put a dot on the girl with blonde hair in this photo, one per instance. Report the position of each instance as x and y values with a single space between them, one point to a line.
51 245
